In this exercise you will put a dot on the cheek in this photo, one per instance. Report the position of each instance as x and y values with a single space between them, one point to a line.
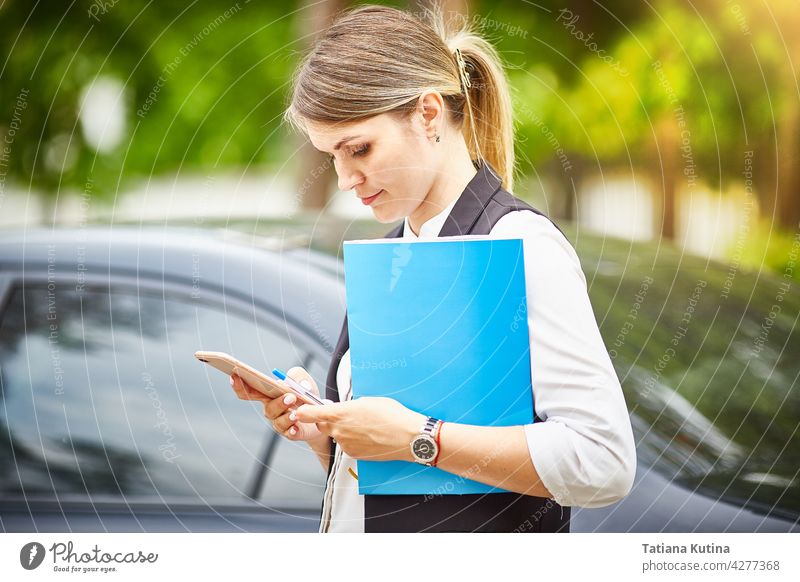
404 175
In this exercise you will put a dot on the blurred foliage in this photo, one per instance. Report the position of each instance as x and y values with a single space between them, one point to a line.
208 86
727 84
205 84
776 249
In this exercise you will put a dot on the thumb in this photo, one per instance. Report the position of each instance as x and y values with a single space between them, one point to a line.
302 377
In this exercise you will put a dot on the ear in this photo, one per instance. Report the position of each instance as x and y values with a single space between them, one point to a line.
430 109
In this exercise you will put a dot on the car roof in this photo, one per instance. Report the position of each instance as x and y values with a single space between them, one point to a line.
295 282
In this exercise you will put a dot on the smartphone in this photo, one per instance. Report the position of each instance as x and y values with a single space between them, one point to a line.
271 387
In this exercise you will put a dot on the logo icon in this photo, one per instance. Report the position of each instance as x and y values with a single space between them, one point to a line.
401 256
31 555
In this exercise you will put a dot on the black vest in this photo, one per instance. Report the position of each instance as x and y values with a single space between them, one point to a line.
479 207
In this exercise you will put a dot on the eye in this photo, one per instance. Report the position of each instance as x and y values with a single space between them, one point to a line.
361 150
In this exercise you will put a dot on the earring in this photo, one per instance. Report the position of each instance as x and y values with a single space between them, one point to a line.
437 138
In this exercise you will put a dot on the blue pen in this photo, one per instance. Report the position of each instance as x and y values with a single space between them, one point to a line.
295 386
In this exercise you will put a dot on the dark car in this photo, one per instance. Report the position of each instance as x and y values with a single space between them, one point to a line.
707 355
109 424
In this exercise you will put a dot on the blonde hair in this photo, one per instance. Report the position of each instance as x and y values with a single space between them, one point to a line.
378 59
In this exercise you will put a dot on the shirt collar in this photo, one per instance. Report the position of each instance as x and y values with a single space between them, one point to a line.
465 209
431 227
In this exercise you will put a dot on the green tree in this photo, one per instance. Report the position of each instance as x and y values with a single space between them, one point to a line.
204 84
698 94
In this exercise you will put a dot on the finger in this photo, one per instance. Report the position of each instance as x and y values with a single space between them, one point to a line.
244 391
277 406
302 377
314 413
239 387
285 421
292 433
236 388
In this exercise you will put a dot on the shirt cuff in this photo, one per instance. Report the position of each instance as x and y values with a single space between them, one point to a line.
575 476
547 457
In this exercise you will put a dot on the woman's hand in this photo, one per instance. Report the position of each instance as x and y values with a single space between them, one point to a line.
281 411
368 428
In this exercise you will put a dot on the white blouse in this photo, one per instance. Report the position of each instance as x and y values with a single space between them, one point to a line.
584 452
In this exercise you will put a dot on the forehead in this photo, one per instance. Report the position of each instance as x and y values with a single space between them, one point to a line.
326 136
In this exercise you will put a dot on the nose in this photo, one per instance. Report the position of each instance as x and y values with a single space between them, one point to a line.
347 178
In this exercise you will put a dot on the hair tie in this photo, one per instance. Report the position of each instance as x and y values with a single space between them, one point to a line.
462 71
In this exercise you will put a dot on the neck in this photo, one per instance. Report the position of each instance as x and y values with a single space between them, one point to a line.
456 172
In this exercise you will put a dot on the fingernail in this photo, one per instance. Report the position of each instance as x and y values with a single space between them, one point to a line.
231 380
287 399
292 415
293 430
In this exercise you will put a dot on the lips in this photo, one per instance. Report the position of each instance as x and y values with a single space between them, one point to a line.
371 199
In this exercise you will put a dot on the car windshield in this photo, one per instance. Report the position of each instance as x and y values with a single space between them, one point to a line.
708 359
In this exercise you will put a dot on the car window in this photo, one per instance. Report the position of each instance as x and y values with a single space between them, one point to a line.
296 471
101 396
707 357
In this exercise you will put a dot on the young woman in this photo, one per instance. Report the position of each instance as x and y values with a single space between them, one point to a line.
418 122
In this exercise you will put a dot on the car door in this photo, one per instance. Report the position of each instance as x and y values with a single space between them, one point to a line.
108 423
710 374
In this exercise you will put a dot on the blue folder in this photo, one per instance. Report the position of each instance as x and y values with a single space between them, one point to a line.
441 326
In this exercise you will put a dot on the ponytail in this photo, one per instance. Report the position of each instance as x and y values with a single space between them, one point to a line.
488 121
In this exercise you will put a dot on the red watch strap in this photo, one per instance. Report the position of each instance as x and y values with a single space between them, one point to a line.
438 446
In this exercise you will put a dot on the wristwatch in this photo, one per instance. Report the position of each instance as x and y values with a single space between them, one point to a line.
424 446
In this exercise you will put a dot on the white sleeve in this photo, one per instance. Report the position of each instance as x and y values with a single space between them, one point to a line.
584 450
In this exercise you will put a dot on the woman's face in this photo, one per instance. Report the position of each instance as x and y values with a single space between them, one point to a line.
385 156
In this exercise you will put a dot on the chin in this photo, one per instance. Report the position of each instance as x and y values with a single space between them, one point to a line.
385 220
386 217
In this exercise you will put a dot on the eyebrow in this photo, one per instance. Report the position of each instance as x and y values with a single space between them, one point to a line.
342 141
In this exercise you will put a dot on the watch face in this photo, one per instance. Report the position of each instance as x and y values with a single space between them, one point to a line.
424 448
